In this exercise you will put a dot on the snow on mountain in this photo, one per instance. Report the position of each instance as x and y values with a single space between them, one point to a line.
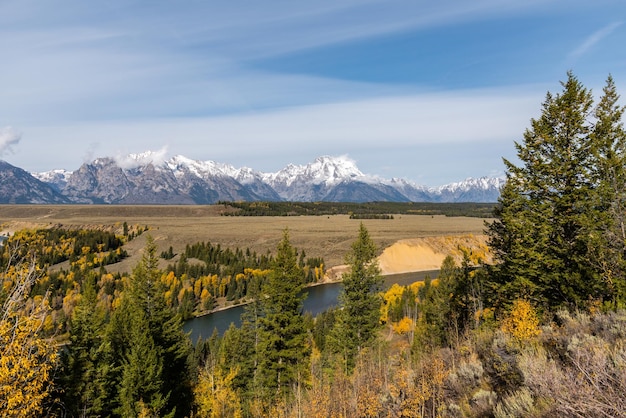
202 169
414 192
471 183
483 189
325 169
156 158
149 178
56 178
315 181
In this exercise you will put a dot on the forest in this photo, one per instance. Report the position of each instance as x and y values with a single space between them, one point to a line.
368 210
541 332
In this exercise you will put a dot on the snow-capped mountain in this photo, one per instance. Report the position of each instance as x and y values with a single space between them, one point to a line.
314 181
149 178
484 189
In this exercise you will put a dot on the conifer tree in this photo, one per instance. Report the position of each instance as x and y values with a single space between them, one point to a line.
240 346
437 320
83 381
153 353
550 212
609 155
142 387
283 348
358 317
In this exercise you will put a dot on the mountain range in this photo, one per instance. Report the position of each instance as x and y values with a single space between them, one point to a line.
147 179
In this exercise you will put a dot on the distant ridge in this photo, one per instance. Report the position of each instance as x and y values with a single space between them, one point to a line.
18 186
148 179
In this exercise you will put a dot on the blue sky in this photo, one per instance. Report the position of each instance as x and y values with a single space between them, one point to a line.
433 92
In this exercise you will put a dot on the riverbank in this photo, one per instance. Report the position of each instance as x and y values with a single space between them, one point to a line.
402 279
320 298
407 257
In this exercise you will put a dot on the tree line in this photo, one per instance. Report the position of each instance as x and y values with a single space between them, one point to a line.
358 210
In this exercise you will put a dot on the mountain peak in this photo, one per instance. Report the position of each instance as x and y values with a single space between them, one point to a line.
325 170
130 161
335 167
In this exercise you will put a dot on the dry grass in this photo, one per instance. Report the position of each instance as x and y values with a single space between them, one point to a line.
329 237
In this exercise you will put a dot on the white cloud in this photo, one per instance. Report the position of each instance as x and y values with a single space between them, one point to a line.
70 62
8 138
594 39
447 117
141 159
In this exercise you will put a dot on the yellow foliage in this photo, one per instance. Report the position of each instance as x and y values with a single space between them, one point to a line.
197 288
415 286
71 299
168 298
522 322
214 395
369 400
181 294
48 323
117 300
403 326
393 294
205 295
26 358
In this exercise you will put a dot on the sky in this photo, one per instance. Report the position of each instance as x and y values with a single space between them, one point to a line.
432 92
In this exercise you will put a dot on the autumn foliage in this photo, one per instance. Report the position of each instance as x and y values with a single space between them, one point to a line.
27 358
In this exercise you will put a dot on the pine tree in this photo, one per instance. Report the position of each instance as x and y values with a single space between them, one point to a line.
283 348
142 386
550 212
358 318
152 353
609 154
240 346
84 392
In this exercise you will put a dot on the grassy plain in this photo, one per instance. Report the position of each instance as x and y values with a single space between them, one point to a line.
329 237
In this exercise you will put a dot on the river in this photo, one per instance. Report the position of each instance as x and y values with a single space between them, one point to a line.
319 298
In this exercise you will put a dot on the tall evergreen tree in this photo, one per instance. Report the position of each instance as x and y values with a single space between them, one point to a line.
358 319
283 347
142 388
84 376
437 319
551 209
246 355
151 349
609 154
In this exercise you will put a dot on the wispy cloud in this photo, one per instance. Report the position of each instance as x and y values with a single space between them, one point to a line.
301 133
594 39
132 76
71 62
9 137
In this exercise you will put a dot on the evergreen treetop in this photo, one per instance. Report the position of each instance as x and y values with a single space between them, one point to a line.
551 214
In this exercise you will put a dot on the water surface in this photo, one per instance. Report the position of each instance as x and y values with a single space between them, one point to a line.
319 299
